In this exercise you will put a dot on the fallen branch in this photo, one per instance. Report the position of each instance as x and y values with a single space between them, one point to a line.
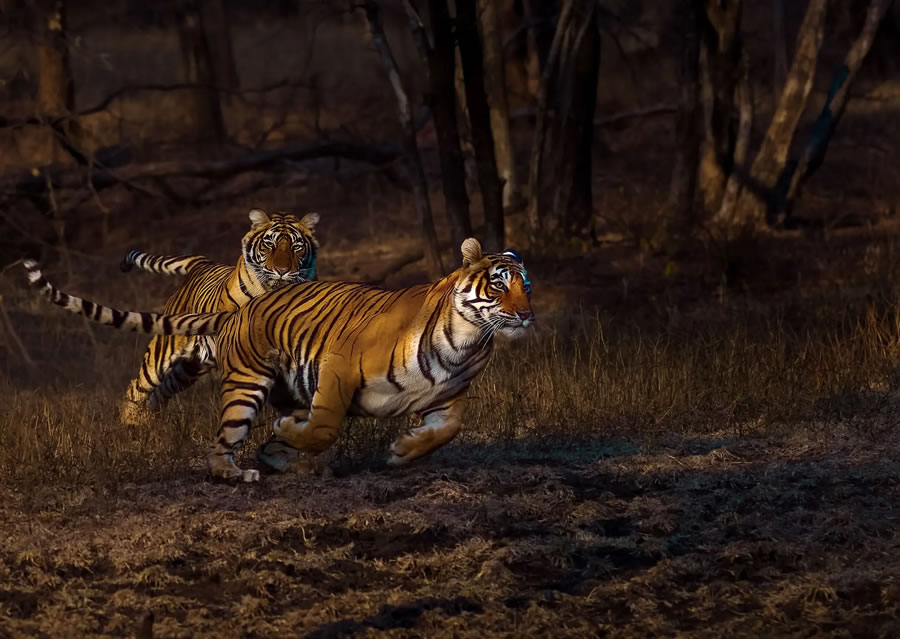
100 177
104 104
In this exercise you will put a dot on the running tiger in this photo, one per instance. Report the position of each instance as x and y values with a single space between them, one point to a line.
347 348
279 249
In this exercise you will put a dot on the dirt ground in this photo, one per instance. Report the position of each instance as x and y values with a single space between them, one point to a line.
709 537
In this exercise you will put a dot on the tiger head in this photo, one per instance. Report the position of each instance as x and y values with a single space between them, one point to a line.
493 291
280 248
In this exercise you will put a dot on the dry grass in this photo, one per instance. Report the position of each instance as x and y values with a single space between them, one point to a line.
746 373
713 464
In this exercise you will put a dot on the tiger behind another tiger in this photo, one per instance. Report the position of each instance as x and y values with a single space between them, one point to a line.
347 348
279 249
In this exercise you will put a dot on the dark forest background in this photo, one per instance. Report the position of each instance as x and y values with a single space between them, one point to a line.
679 128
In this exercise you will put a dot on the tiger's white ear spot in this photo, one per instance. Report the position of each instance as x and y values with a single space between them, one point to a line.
258 217
310 220
471 251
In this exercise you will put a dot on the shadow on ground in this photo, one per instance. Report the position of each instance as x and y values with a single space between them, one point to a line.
705 536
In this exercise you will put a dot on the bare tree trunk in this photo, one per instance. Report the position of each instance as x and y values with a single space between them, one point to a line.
779 47
682 189
742 143
753 210
518 91
814 154
416 172
495 81
217 31
441 61
56 91
574 127
56 98
199 68
470 52
720 52
539 141
542 13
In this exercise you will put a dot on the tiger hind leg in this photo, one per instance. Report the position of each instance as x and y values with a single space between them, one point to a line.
441 425
135 408
182 374
242 399
162 376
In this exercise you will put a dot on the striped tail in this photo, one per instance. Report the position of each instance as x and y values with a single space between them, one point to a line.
162 264
151 323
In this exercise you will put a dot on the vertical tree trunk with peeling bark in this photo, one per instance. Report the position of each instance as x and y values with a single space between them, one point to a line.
720 51
470 51
441 61
416 172
495 81
756 206
814 154
199 69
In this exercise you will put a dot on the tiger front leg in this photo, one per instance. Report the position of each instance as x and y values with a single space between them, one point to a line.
441 424
276 453
329 406
242 400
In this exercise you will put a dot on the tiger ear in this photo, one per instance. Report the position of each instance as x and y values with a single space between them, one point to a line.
513 254
471 252
258 218
310 220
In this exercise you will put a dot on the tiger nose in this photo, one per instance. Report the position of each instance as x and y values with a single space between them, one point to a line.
281 270
525 315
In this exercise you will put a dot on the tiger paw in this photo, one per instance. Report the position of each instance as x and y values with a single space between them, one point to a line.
399 453
276 455
287 429
223 467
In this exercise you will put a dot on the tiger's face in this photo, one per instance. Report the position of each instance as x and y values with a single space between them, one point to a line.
280 248
494 292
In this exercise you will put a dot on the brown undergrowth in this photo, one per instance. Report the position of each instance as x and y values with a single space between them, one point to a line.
721 465
747 371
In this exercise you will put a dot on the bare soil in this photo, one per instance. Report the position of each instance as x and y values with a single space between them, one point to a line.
710 537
